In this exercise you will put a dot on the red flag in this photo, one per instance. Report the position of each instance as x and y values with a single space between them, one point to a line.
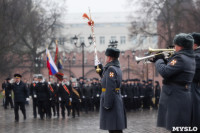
56 55
59 75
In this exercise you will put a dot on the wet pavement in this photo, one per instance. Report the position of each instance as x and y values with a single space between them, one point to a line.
138 122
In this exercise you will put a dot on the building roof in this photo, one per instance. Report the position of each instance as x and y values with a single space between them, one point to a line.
117 17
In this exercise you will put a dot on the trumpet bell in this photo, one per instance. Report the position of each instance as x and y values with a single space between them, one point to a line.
138 59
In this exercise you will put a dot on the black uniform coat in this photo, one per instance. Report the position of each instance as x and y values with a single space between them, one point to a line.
196 92
157 91
175 100
33 90
76 98
20 92
112 112
8 89
42 91
63 94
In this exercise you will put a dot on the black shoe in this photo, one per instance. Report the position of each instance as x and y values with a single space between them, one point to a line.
16 120
24 117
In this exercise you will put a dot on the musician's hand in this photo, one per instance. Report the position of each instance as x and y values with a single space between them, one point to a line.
157 57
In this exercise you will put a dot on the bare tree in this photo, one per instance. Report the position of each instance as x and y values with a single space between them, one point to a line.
26 29
171 16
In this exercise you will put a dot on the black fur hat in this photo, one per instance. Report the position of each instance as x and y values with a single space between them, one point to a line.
196 37
112 52
184 40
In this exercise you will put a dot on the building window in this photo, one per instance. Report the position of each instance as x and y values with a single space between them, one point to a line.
81 39
122 40
102 40
61 41
113 38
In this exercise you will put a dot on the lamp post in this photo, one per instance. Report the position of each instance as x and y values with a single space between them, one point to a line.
39 63
82 45
70 61
128 57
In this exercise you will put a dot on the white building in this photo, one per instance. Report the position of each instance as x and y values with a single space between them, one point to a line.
108 26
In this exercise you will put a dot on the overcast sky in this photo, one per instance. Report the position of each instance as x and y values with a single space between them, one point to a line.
79 6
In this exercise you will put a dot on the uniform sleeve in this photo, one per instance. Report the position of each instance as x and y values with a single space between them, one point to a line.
26 91
171 68
109 96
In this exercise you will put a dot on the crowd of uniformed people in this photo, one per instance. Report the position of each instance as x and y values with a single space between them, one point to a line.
178 105
71 95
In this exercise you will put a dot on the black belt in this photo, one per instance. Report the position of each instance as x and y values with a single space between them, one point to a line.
197 82
186 85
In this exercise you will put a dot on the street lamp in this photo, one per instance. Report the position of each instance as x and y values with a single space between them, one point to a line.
70 61
128 56
39 62
82 45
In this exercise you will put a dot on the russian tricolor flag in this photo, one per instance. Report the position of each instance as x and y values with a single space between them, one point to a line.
51 64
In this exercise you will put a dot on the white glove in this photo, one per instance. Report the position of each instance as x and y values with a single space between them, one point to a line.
83 96
27 99
125 96
70 99
49 83
58 85
59 98
97 95
9 95
35 96
50 99
122 96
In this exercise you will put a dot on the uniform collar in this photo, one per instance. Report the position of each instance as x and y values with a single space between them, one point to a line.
113 63
186 52
18 83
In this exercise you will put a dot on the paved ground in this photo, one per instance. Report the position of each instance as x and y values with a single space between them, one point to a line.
138 122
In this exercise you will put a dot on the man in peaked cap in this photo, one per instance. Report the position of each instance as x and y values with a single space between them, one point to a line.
64 97
112 112
34 95
20 96
196 83
76 98
43 95
175 100
8 93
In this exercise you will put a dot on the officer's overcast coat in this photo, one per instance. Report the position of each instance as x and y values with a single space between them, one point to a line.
175 100
196 92
113 118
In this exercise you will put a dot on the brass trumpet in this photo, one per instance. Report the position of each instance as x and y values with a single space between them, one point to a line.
167 53
151 50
